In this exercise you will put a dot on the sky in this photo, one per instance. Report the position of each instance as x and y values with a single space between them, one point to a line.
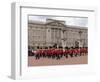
75 21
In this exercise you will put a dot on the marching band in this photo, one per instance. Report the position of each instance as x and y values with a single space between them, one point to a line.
57 52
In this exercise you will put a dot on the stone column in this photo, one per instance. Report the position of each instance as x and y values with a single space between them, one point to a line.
48 36
62 38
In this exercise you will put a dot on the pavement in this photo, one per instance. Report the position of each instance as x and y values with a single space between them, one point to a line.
63 61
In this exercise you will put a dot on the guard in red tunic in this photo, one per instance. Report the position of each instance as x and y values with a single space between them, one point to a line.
82 51
79 51
62 52
66 52
71 52
45 52
76 52
50 52
53 52
57 52
37 53
86 50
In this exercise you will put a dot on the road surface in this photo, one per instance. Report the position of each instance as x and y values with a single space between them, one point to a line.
63 61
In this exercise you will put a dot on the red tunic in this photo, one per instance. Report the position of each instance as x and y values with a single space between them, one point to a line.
66 51
70 51
78 51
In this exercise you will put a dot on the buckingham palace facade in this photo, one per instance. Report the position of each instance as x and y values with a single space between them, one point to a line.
56 32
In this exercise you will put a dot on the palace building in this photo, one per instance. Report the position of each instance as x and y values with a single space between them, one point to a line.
51 32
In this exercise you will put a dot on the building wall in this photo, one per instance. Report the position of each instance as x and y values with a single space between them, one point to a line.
56 33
